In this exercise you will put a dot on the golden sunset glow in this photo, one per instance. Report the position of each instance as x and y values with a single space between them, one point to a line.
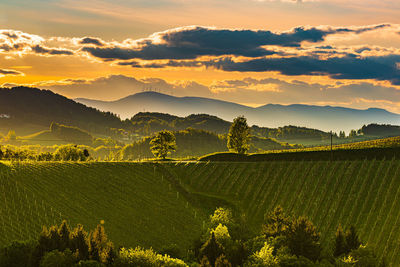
326 45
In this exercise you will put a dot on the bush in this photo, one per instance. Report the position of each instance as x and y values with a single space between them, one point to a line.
17 254
145 258
263 257
90 263
56 258
172 250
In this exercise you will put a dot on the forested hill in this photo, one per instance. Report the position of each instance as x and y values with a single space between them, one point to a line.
147 123
26 109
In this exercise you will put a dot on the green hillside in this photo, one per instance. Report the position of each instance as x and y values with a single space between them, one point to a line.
363 193
153 204
45 137
136 203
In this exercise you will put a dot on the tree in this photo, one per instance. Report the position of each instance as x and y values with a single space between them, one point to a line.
69 153
86 153
162 144
239 135
79 242
64 232
352 134
277 223
303 239
97 241
340 243
352 239
211 249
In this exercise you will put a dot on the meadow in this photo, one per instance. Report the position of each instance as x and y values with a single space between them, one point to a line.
160 204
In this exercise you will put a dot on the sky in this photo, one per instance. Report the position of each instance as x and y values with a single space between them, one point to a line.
253 52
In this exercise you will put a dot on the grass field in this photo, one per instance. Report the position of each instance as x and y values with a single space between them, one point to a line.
153 204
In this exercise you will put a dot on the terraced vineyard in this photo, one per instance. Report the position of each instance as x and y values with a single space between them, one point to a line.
156 205
363 193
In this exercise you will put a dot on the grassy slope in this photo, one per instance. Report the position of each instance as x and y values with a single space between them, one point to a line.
138 206
44 138
363 193
139 202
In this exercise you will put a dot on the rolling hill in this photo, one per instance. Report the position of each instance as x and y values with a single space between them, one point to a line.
326 118
31 110
153 204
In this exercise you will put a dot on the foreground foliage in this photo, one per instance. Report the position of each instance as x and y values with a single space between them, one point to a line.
284 241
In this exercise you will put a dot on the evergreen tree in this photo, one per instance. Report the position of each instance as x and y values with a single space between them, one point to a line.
303 239
100 249
54 238
162 144
340 243
64 234
97 240
79 242
211 249
352 239
239 135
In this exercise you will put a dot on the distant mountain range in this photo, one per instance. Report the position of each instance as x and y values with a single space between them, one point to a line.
326 118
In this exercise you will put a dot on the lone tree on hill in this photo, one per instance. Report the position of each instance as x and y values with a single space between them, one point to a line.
239 135
162 144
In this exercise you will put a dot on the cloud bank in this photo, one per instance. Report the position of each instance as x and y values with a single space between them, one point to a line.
4 72
299 51
193 42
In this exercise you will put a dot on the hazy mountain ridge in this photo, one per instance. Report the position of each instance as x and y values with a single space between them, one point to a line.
270 115
30 109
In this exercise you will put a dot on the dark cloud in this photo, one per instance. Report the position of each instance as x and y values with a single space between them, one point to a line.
91 40
9 72
5 47
10 34
193 42
170 63
325 47
362 49
348 67
51 51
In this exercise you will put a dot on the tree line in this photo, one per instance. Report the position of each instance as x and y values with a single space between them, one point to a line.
284 240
